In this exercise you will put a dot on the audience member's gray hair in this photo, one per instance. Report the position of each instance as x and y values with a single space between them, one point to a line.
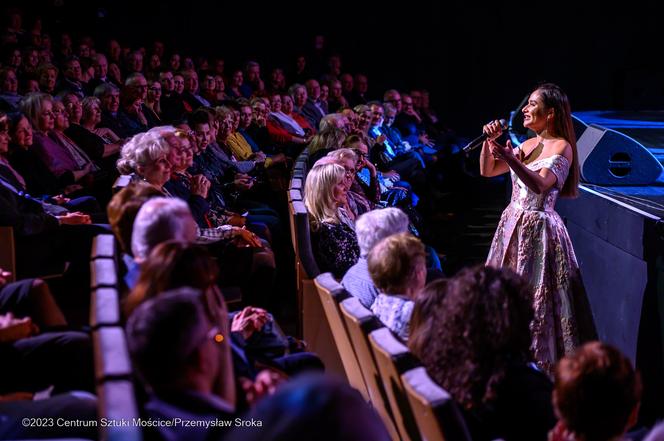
32 105
105 89
376 225
389 107
98 57
331 138
293 89
87 104
330 120
144 148
161 334
159 220
133 78
387 96
342 154
361 108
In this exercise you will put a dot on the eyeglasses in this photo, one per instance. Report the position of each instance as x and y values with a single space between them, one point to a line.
155 89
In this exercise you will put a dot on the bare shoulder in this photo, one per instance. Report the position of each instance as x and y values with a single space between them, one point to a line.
563 148
527 146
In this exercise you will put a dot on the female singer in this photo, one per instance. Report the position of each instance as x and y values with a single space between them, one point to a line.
531 238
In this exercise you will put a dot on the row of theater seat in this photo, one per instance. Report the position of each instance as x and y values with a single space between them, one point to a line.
376 363
352 342
113 369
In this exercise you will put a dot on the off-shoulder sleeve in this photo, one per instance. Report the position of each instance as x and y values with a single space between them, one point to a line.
559 166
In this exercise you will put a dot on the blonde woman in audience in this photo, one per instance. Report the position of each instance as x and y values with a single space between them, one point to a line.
332 224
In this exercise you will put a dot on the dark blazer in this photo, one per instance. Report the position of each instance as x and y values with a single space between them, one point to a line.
114 123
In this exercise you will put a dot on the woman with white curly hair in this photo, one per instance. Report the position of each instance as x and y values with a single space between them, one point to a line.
146 157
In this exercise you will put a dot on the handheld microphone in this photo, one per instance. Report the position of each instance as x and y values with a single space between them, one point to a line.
475 143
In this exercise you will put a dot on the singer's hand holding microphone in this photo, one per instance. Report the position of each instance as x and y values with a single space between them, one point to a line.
494 129
491 132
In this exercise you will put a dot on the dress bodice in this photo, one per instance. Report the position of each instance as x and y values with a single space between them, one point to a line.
526 199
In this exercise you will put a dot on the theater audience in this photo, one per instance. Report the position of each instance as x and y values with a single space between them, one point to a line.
596 394
190 186
256 342
332 227
371 228
397 265
472 334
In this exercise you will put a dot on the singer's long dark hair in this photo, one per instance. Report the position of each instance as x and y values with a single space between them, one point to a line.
554 98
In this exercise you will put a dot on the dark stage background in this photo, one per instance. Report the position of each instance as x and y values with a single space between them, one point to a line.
478 61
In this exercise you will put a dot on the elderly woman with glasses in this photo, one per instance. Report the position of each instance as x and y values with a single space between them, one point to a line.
357 201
